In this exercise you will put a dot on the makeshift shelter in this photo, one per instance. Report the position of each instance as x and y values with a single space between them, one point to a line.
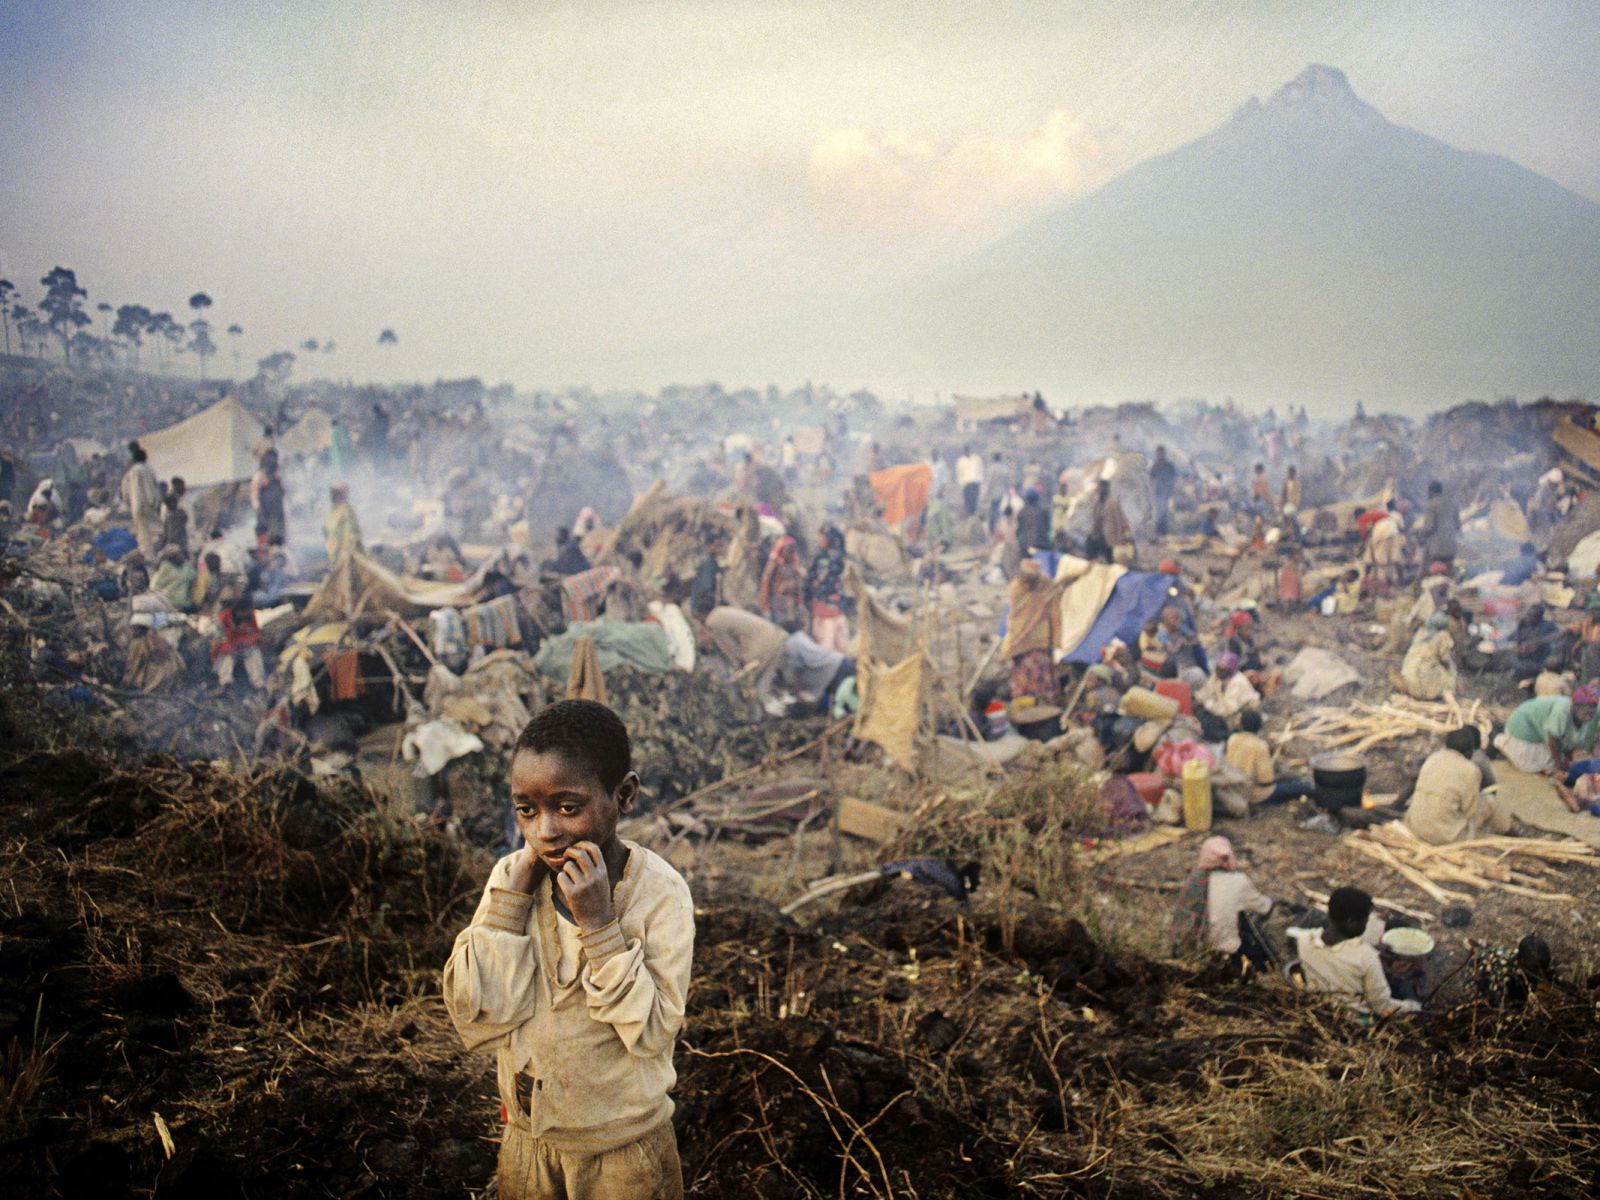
361 586
670 533
975 409
641 644
1135 599
1088 586
208 448
311 434
903 699
902 492
1580 448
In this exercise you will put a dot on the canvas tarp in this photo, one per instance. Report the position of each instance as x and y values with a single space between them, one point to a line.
891 709
1135 598
311 434
902 492
361 586
885 637
208 448
1090 586
641 644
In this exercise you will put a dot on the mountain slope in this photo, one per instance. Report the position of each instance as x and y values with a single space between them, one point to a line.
1308 249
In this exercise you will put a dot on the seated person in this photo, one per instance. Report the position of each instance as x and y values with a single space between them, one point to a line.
1429 669
1505 976
272 577
1250 755
1521 568
1449 803
1545 733
1215 909
1534 640
1341 960
174 577
1225 695
1241 639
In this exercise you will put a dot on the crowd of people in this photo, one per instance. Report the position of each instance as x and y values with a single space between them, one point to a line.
791 495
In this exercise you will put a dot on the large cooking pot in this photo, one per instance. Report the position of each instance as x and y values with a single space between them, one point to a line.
1039 722
1339 772
1340 781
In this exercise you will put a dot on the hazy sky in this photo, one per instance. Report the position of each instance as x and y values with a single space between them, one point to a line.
527 191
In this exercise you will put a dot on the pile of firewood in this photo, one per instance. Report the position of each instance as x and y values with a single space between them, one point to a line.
1362 726
1520 866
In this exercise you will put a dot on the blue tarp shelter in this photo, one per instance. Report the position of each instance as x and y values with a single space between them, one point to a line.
1137 597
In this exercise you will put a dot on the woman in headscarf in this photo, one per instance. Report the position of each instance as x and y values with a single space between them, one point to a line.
1216 908
824 594
1031 635
782 595
1429 670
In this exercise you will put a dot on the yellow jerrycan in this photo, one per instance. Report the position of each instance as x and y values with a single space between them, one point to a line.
1196 795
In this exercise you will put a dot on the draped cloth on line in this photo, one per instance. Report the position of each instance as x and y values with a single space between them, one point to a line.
586 681
891 709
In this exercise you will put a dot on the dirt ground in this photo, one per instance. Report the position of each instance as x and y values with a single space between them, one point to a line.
216 981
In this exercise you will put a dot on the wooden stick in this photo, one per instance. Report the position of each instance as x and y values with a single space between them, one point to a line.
763 765
394 619
827 887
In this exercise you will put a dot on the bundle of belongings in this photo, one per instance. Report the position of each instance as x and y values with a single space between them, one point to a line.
485 706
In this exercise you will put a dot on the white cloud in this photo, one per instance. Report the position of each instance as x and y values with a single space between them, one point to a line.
895 178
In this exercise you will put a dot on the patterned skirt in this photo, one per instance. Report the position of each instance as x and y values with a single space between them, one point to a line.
1033 673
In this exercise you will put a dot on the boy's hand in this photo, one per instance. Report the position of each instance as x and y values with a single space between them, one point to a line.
586 886
527 871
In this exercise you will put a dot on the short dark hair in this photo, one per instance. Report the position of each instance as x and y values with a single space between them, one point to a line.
1533 954
1250 721
1348 911
1436 488
1466 740
588 733
136 452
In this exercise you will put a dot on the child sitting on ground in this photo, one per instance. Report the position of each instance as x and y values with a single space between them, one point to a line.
1505 976
575 970
1216 907
1342 961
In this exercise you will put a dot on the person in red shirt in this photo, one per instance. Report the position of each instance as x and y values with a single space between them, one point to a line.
240 641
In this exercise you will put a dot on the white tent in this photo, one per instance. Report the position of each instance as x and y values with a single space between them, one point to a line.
208 448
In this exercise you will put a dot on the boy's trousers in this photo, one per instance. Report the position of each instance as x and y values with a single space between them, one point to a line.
647 1169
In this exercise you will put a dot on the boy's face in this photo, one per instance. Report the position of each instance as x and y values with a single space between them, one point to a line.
559 803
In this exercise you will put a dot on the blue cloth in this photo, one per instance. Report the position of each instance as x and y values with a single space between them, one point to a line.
1519 570
1137 597
1584 766
113 543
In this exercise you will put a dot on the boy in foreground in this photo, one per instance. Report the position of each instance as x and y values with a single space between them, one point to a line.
575 969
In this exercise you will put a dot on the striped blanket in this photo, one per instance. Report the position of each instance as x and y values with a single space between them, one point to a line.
584 594
493 624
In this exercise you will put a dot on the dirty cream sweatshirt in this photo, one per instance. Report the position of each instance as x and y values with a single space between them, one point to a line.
588 1018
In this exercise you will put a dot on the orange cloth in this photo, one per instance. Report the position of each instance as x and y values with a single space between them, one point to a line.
902 492
344 674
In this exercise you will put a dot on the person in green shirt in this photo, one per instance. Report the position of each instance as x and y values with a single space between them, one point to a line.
174 579
1545 734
